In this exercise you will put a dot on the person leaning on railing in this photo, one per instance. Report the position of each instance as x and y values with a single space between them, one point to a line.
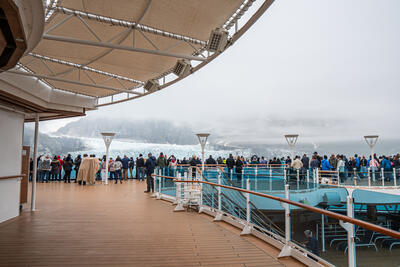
341 168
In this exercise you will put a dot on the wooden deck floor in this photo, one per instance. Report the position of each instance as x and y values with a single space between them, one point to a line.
119 225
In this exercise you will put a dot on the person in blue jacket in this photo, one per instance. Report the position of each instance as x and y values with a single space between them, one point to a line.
387 168
125 167
325 166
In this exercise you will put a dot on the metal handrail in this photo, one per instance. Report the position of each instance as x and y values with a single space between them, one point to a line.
12 176
367 225
331 214
275 227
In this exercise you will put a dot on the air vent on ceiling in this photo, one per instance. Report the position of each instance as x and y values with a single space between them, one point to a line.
218 40
182 68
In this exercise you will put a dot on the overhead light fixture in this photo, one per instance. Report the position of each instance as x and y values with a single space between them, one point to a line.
182 68
218 40
151 85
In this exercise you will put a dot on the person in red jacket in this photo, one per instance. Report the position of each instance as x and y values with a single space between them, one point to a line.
60 167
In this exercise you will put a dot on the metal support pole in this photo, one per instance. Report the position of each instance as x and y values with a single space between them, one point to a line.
354 176
159 186
286 250
350 232
34 171
308 179
298 179
284 176
218 216
202 159
383 177
247 228
107 160
270 180
185 185
323 231
287 216
369 177
394 177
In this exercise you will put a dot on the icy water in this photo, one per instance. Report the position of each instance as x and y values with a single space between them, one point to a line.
132 148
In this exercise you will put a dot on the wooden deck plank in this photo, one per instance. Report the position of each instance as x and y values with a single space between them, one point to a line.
119 225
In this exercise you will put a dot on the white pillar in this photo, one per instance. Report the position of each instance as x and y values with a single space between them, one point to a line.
369 177
107 159
394 177
218 216
247 228
107 137
286 250
351 251
34 171
383 177
284 175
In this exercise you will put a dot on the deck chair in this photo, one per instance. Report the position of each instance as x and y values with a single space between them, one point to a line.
366 241
390 243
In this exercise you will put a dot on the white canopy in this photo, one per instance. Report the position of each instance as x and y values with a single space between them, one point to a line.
89 46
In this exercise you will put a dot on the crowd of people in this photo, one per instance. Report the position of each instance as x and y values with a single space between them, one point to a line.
59 168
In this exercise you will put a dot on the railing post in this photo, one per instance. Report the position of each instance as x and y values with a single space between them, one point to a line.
179 203
255 176
354 176
350 232
383 177
286 250
218 216
394 176
155 179
159 186
270 178
308 178
247 228
369 177
185 185
323 232
231 174
298 179
284 176
201 192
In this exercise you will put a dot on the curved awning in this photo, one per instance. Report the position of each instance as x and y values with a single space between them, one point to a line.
102 48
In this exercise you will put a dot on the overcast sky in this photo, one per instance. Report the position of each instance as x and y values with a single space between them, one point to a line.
323 69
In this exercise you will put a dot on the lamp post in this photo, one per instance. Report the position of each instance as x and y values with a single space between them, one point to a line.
371 141
202 140
291 139
107 137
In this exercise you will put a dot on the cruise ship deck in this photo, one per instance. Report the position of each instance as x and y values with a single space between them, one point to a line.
119 225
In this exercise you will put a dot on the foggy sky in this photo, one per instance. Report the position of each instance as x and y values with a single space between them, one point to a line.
323 69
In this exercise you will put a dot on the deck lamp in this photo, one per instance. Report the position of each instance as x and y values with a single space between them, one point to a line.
202 140
371 141
291 139
107 137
